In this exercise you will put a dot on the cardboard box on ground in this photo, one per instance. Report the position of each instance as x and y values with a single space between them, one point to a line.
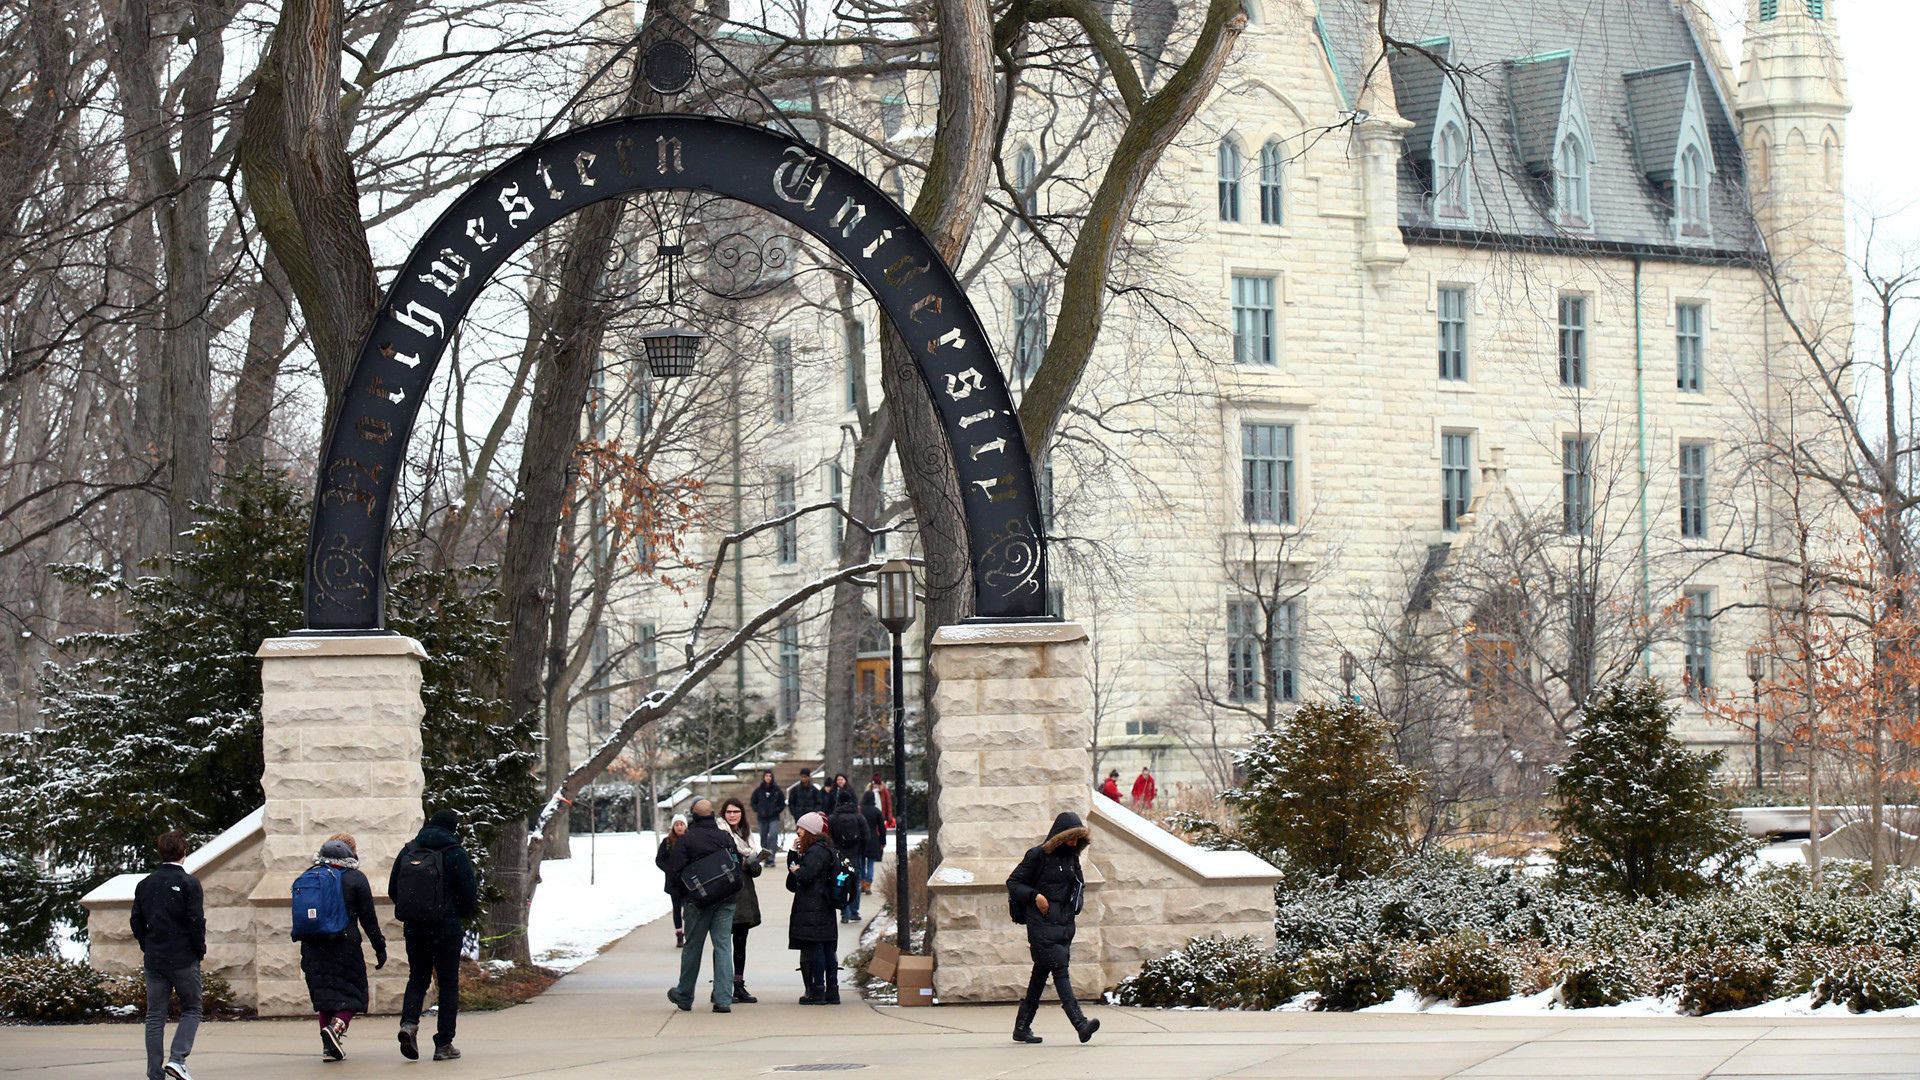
913 976
886 957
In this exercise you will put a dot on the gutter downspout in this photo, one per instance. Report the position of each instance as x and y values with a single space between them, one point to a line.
1640 420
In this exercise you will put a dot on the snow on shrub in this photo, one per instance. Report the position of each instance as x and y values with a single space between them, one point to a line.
1350 977
1864 978
1211 972
1727 977
1464 968
1595 979
49 990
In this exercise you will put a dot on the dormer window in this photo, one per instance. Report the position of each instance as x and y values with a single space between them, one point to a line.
1450 172
1690 192
1571 189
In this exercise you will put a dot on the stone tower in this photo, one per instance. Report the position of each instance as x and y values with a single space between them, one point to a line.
1792 106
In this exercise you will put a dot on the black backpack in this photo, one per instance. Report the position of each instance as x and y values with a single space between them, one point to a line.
420 884
713 878
844 884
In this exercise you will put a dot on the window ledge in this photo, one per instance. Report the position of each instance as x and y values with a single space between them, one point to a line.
1457 386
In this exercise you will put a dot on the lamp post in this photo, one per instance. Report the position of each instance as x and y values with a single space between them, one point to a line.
896 614
1349 670
1756 667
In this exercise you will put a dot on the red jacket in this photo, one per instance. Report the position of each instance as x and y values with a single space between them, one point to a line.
1144 790
1110 789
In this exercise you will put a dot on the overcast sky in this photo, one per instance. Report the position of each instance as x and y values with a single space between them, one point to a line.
1882 163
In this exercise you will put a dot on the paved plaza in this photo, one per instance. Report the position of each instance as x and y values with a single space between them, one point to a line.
610 1020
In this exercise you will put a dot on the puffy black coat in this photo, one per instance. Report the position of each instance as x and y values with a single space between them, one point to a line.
336 970
803 799
814 919
876 830
746 902
169 918
768 800
1052 870
848 829
704 837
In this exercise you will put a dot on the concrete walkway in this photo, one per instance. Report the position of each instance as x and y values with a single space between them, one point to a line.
610 1020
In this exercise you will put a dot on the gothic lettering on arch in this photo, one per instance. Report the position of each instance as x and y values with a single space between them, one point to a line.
366 442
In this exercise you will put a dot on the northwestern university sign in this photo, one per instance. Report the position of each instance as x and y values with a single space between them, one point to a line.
367 439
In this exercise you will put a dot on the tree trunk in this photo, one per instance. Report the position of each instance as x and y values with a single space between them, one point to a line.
259 378
866 502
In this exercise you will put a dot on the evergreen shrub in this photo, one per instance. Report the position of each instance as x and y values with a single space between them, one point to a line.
1350 977
1465 968
50 990
1727 977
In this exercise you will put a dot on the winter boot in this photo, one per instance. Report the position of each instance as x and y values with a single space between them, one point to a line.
332 1034
831 979
410 1041
1023 1022
679 938
1071 1005
740 995
446 1052
811 977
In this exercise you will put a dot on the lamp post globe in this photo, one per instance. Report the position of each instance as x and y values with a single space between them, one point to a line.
1756 670
670 351
896 596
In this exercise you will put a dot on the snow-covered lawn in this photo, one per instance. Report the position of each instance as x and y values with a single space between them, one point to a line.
572 919
1408 1001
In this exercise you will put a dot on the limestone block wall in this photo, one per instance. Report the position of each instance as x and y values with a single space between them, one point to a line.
341 732
1012 730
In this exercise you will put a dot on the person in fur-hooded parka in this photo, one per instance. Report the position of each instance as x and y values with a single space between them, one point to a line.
335 968
1050 889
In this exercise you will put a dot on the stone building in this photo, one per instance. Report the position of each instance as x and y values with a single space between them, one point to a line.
1446 354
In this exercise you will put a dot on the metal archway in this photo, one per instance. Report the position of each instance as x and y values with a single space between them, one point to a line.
367 436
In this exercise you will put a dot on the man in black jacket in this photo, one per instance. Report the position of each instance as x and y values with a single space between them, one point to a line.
768 801
705 919
433 944
170 923
1048 888
803 797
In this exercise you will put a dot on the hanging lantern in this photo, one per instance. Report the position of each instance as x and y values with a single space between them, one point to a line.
670 352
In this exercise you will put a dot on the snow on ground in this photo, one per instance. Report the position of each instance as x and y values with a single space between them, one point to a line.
1543 1003
574 919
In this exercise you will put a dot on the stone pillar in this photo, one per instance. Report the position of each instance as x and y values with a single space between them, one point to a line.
341 728
1013 726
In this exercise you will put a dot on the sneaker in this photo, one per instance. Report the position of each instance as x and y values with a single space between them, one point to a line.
177 1070
330 1044
448 1052
685 1003
409 1041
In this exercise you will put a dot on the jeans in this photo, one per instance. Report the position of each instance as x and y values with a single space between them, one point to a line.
703 922
433 955
160 986
770 834
866 869
852 910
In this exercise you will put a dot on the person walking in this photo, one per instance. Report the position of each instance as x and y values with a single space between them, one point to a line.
1110 787
803 797
674 832
768 803
336 970
849 831
1144 789
746 903
883 798
811 930
434 889
1046 891
693 855
170 922
876 849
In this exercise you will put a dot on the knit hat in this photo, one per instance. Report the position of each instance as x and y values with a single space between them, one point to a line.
814 823
678 819
336 851
445 819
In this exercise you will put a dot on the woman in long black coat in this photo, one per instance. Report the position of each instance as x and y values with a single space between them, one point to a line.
812 926
336 970
1048 888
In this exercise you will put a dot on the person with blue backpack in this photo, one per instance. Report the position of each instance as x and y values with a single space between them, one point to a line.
332 905
434 889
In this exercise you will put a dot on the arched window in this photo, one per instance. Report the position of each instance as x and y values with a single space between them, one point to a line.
1450 179
1026 180
1570 176
1251 10
1229 180
1272 184
1762 161
1830 159
1690 192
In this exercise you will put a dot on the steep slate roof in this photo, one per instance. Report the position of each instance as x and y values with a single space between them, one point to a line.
1417 86
1513 107
1656 102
